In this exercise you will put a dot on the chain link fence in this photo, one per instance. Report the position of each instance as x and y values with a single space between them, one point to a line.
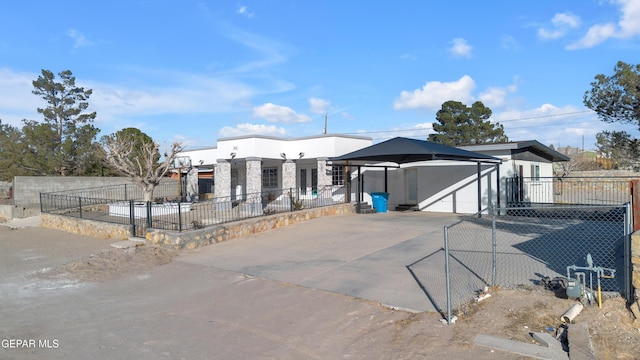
519 247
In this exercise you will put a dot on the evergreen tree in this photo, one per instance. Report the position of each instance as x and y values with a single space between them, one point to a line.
62 143
459 124
11 152
617 97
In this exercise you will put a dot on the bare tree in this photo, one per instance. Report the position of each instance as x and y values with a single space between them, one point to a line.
139 160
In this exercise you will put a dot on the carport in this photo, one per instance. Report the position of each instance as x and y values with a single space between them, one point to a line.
401 150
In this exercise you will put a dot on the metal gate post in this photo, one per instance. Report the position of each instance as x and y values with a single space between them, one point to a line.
446 272
494 245
149 219
628 286
179 217
132 218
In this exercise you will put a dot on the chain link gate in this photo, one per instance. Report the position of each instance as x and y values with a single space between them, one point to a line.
521 246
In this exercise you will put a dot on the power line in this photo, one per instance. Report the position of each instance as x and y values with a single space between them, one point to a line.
545 116
500 122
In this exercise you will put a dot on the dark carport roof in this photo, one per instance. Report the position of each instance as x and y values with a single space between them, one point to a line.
402 150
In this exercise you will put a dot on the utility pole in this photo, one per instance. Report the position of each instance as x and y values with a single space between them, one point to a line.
325 124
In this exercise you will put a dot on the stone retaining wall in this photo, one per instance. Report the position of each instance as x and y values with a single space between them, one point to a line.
210 235
99 229
194 238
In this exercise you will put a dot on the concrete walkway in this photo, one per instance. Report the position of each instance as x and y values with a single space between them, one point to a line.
33 221
364 256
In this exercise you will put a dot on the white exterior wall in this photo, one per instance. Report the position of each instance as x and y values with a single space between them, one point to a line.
535 191
304 152
442 186
271 148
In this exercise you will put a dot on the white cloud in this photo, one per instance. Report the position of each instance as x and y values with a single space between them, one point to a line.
596 35
182 93
271 52
434 93
550 124
508 42
243 10
279 114
347 115
629 19
496 97
562 22
566 20
252 129
408 57
628 26
460 48
319 106
79 39
16 100
493 97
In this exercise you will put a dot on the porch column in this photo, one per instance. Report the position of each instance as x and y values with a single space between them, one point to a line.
192 185
222 187
325 180
325 173
288 176
254 185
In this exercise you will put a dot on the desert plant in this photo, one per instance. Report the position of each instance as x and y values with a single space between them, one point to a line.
297 204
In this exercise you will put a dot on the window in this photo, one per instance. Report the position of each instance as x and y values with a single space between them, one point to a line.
535 172
270 177
338 175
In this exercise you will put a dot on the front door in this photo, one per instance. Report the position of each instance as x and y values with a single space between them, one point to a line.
411 186
314 182
303 182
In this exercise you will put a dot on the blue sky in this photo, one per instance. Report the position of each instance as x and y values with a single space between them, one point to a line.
195 71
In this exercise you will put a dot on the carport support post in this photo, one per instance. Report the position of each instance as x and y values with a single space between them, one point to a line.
358 198
479 189
498 185
385 179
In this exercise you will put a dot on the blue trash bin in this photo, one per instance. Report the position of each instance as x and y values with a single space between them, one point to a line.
379 200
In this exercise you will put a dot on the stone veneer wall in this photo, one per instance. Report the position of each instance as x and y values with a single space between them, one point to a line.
210 235
194 238
99 229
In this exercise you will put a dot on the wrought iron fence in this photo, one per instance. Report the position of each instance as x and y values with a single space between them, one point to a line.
532 245
122 205
568 190
167 190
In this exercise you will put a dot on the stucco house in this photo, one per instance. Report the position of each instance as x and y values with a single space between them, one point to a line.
256 164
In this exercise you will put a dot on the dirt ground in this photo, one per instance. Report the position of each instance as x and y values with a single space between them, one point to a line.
508 313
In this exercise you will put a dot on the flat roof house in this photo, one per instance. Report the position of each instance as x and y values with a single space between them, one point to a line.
257 164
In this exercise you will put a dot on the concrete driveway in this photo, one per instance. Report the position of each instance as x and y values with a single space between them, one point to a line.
380 257
202 306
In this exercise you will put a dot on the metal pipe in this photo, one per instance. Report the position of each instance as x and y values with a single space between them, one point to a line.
446 272
479 168
628 287
494 245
